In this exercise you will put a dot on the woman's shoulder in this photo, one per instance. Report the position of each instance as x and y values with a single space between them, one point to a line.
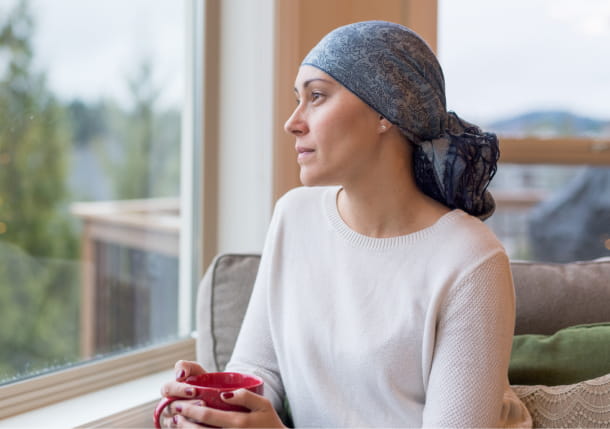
304 196
469 237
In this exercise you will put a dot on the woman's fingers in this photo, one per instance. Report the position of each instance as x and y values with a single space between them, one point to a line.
184 368
262 414
181 390
168 416
183 422
247 399
185 413
198 412
168 422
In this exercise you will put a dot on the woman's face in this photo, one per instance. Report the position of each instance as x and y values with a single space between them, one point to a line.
337 134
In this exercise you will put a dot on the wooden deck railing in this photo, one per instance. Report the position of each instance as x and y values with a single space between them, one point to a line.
129 256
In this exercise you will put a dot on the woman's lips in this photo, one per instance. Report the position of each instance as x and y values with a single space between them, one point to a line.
303 152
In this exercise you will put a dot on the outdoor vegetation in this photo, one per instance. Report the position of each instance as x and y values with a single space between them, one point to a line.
54 152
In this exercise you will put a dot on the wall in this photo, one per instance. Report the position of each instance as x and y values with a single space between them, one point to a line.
245 121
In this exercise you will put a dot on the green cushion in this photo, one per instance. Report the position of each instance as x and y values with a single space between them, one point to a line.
569 356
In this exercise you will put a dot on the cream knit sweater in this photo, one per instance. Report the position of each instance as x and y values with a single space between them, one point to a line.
357 331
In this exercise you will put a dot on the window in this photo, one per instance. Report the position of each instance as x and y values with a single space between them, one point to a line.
91 110
531 71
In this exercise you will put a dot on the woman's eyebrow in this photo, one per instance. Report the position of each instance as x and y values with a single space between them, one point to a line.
308 81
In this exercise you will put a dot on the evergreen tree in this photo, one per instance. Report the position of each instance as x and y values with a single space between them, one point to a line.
88 121
38 297
34 149
142 156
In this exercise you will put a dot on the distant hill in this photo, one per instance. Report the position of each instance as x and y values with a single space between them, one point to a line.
551 123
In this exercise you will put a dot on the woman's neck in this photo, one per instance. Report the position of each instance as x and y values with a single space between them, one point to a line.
388 209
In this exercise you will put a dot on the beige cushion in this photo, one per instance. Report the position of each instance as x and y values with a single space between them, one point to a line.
222 300
551 297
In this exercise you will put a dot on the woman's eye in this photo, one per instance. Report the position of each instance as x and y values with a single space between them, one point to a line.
315 96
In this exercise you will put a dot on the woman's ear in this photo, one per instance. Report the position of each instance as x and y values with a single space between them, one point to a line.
384 125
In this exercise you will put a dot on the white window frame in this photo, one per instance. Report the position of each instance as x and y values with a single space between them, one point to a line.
37 392
89 376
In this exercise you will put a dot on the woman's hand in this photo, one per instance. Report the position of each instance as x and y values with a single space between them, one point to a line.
261 415
179 389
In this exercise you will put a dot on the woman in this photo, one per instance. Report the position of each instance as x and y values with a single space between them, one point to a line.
381 298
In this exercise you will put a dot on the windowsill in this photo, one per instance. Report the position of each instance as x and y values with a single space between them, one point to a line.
91 407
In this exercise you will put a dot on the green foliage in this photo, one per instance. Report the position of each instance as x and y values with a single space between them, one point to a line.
34 142
147 160
37 289
39 312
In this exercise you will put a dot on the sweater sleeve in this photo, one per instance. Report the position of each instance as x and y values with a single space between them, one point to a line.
254 351
474 335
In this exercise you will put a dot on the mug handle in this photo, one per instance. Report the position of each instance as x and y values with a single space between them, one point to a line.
160 407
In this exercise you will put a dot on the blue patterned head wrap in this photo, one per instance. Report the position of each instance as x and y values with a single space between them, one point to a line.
394 71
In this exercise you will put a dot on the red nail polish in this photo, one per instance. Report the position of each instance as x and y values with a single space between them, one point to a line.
227 395
175 419
180 374
189 391
178 408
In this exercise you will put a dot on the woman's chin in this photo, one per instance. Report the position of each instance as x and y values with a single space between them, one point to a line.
312 183
306 179
311 180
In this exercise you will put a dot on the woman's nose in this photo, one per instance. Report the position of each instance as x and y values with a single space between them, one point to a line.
295 124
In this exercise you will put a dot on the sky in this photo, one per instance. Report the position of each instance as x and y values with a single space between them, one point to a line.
88 48
500 57
505 57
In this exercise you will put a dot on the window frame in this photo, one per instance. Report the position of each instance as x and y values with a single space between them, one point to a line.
36 392
54 386
555 151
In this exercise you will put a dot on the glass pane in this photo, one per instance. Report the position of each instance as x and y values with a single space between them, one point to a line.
552 213
528 67
536 68
91 98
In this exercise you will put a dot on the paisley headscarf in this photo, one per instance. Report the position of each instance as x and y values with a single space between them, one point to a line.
394 71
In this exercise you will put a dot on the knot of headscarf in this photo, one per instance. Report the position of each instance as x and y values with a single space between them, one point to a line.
456 167
393 70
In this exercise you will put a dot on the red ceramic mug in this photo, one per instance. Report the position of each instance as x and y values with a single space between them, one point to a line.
208 388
